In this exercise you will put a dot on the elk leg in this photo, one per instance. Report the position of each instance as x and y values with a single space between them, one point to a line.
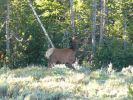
70 66
49 64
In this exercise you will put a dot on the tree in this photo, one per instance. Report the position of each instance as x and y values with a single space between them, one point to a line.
102 20
94 9
72 16
44 30
125 29
61 17
8 34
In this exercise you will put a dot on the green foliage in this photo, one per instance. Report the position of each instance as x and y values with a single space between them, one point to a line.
114 52
55 16
130 91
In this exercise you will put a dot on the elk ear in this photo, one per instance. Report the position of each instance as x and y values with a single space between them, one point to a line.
75 36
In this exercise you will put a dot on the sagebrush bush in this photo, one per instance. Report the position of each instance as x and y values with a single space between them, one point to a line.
130 91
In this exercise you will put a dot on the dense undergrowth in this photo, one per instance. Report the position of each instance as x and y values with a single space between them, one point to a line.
61 83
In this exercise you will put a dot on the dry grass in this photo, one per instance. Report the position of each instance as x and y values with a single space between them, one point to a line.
61 83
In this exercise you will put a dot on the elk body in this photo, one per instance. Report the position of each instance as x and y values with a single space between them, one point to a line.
62 55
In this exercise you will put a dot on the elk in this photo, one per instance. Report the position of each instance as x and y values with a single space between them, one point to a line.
63 55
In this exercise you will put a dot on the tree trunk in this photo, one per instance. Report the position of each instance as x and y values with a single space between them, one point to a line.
72 16
39 21
102 21
94 8
125 30
8 34
106 17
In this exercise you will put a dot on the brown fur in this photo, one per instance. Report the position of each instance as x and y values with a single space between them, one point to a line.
62 56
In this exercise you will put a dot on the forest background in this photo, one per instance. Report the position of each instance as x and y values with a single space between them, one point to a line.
104 27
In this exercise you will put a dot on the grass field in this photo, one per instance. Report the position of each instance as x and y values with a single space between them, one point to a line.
61 83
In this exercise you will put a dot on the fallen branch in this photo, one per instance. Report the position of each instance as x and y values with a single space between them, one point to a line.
39 21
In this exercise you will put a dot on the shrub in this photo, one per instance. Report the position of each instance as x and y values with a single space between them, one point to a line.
130 91
114 52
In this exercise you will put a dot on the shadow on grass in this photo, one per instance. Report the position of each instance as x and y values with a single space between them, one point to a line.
100 76
36 72
57 95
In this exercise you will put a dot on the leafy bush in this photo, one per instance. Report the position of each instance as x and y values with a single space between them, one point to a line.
114 52
130 91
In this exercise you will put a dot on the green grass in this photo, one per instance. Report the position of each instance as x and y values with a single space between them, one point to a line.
61 83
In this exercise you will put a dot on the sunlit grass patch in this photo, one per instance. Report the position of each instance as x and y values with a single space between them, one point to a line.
63 83
36 72
95 75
